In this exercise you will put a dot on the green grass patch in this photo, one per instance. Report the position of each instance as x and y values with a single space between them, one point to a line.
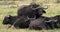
5 10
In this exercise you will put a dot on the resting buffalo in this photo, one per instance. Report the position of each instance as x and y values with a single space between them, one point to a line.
54 21
37 24
22 22
58 18
50 22
31 11
58 21
17 22
9 19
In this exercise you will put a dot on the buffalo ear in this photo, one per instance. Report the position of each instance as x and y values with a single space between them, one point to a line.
9 16
44 11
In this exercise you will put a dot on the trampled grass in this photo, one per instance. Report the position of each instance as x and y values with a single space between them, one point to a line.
52 10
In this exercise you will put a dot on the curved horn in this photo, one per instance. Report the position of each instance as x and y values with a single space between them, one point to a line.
55 20
52 21
45 7
35 8
48 21
40 7
28 17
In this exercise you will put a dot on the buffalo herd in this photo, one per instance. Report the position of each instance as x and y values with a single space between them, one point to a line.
30 16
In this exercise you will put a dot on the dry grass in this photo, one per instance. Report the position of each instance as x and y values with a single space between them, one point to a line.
53 9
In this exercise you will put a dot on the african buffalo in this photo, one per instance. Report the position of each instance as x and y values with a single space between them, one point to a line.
31 11
50 22
22 22
17 22
25 22
9 19
37 24
58 18
58 21
54 21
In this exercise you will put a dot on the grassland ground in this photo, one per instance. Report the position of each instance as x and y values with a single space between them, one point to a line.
53 9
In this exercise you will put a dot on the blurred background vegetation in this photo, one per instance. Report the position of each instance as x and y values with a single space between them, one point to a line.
11 7
53 5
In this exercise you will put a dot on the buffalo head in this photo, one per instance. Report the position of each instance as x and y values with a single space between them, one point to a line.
7 19
39 9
